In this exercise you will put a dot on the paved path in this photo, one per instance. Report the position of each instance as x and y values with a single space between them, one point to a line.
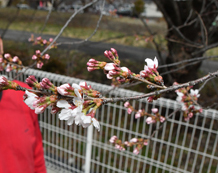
91 48
97 48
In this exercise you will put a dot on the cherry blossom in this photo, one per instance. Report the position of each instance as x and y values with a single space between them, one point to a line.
153 64
194 93
30 98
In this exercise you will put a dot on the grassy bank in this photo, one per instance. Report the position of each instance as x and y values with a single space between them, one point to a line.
120 30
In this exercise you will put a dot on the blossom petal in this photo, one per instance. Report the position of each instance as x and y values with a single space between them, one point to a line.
155 62
77 93
76 86
96 124
125 69
70 121
109 66
63 104
150 62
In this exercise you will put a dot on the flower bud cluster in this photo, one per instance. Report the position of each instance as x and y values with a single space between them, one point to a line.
188 98
39 103
32 82
112 70
40 58
7 84
92 65
139 142
150 72
66 100
40 41
8 63
155 118
46 84
140 113
113 56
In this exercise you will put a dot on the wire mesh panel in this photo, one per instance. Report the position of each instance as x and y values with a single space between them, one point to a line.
178 146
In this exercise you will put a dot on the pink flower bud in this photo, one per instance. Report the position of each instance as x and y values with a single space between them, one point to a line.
126 104
47 81
154 110
126 143
38 52
92 61
92 68
119 147
162 119
38 38
44 41
113 139
90 64
50 39
149 120
47 56
7 55
136 151
145 142
29 82
34 57
114 51
15 59
138 114
190 115
39 64
129 110
3 81
106 54
63 89
133 140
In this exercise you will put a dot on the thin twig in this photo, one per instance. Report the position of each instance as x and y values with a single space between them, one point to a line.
187 60
148 82
66 24
47 17
93 33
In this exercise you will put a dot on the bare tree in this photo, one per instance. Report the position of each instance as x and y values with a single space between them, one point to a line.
190 32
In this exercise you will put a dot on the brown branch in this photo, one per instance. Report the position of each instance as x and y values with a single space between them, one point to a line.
148 82
171 88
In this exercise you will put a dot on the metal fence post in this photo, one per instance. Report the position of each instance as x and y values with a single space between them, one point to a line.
88 149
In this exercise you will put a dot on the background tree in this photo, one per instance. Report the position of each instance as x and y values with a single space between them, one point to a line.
190 32
139 7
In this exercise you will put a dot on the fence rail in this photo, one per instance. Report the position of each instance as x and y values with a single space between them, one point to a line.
178 147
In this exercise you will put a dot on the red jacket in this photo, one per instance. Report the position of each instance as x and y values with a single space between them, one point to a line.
21 149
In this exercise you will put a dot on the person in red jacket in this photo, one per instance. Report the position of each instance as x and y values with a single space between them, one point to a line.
21 149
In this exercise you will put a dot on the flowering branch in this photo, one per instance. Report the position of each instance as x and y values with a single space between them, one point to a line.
168 89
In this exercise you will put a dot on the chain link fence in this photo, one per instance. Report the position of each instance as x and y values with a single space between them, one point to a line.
177 147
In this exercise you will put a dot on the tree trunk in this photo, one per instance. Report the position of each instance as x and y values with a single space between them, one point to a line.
189 25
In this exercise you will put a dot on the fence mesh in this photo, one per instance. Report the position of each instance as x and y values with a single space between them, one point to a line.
177 147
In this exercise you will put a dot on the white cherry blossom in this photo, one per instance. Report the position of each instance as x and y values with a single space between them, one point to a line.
31 98
152 63
194 93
